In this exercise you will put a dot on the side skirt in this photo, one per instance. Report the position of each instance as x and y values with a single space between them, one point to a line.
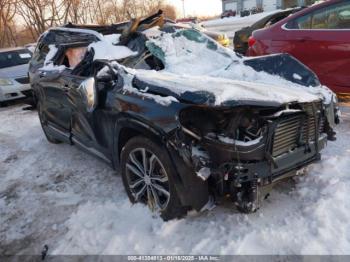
91 150
57 133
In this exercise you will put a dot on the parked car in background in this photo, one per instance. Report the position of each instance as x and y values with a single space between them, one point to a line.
318 36
228 13
256 10
245 12
219 37
241 37
14 81
187 121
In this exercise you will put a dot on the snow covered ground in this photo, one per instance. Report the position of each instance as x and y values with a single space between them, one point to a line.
230 25
62 197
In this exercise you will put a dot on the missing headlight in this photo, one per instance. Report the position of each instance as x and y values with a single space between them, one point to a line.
235 124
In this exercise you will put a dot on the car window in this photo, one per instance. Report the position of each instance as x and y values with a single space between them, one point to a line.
14 58
304 22
75 56
331 17
339 18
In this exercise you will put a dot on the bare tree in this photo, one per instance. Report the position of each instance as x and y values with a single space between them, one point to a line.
39 15
7 13
42 14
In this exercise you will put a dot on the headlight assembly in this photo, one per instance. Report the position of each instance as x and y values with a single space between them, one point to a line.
5 82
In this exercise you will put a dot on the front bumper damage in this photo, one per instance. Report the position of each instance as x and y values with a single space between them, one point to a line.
245 172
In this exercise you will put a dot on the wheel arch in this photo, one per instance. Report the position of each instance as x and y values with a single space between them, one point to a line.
126 128
192 190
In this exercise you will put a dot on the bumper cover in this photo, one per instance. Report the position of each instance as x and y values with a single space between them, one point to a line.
13 92
283 164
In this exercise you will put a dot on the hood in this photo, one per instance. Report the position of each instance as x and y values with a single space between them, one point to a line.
14 71
215 91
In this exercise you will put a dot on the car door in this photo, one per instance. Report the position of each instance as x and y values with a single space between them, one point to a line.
47 84
54 99
320 40
87 124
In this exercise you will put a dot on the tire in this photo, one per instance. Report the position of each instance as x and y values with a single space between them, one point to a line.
156 186
43 123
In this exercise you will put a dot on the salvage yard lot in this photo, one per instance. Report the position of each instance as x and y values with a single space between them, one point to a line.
76 204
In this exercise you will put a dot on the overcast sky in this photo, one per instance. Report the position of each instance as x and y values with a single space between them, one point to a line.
198 7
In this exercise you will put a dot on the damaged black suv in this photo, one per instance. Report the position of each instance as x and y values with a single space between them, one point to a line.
187 121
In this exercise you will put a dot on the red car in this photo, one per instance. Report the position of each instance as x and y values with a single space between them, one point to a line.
319 36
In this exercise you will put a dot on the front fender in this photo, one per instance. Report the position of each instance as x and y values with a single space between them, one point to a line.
192 190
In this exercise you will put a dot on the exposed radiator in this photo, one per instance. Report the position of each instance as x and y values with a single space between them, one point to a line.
297 130
286 136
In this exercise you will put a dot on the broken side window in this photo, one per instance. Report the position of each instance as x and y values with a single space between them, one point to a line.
73 56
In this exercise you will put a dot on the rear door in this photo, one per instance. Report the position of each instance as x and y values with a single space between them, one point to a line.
47 82
320 40
54 99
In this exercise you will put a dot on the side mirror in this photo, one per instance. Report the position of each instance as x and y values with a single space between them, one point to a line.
88 92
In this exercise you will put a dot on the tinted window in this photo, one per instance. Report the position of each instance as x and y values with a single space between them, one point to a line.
331 17
14 58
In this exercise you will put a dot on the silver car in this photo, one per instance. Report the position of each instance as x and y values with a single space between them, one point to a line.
14 82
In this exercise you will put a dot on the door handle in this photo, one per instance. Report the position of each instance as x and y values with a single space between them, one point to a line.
304 39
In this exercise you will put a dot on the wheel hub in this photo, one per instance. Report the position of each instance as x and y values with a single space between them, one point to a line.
147 179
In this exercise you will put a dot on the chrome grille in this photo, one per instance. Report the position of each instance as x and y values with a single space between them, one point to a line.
286 135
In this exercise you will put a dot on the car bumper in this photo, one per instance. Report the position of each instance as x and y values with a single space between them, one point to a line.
284 165
13 92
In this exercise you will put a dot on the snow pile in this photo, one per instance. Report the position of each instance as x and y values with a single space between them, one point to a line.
246 20
226 90
310 219
128 87
82 208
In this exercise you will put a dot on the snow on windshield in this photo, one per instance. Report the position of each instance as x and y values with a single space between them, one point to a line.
190 52
194 61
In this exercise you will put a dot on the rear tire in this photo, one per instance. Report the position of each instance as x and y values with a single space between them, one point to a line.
43 123
148 177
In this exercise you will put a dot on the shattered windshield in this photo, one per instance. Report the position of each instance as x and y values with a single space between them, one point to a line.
189 51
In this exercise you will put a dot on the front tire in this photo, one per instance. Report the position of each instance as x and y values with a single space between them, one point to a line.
148 177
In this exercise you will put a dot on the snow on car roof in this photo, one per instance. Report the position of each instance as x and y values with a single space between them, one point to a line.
106 48
195 62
